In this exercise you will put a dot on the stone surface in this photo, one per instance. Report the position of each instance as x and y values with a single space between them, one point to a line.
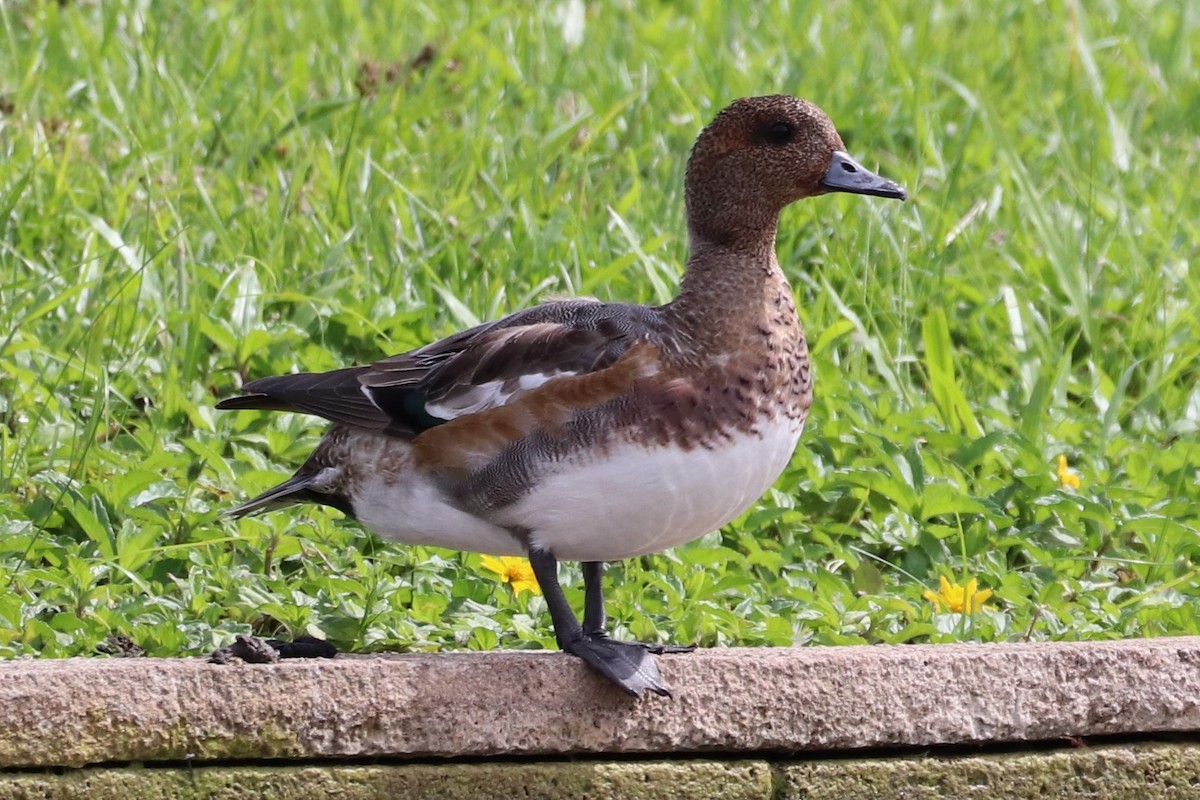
1145 772
653 780
1133 772
82 711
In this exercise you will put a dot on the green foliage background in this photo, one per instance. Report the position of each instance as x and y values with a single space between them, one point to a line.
192 193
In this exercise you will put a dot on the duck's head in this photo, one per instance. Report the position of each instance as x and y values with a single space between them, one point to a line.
759 155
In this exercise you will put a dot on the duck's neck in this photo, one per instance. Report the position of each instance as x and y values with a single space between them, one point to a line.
733 290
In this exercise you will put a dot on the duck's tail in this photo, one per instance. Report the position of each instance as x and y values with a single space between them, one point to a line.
304 487
288 493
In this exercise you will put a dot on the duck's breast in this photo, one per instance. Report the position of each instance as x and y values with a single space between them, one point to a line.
631 498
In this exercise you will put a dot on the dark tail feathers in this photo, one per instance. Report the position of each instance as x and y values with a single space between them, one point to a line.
296 489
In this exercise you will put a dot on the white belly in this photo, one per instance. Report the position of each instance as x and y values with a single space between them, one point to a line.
410 509
640 500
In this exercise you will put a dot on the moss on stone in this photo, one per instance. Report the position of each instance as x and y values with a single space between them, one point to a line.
1160 771
176 743
1143 772
673 780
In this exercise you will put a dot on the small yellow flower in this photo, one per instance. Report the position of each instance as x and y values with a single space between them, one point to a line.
515 571
1067 477
957 599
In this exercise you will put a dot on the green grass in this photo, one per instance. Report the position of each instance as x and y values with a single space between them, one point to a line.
195 193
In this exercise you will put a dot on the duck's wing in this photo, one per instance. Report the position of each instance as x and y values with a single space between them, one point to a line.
472 371
342 396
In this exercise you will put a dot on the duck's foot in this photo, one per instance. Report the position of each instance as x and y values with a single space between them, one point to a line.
254 650
657 649
629 665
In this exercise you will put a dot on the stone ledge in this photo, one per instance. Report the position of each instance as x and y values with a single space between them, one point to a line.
85 711
1146 771
1140 772
682 780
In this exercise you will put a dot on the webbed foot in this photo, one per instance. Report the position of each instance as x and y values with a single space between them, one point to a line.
657 649
630 665
627 664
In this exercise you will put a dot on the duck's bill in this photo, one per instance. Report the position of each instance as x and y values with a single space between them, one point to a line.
847 175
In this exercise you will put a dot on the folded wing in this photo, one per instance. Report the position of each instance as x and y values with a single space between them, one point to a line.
472 371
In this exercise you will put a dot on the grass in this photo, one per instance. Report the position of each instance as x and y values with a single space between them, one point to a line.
195 193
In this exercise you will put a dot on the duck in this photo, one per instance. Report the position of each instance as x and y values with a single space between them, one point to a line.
593 431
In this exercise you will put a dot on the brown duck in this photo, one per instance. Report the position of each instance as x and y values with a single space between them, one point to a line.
595 431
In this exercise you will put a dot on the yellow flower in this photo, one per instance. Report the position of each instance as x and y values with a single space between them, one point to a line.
1067 478
516 571
957 599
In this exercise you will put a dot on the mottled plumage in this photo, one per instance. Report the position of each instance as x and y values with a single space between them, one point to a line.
587 430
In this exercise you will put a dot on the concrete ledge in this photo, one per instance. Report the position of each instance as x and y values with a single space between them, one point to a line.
87 711
1146 772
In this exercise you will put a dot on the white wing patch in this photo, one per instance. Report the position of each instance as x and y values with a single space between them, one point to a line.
489 395
366 390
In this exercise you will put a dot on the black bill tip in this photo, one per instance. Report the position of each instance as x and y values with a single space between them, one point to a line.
847 175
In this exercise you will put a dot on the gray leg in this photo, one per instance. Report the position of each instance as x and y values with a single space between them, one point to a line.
595 620
566 626
627 665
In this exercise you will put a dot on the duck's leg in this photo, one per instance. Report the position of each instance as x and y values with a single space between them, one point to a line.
627 665
595 619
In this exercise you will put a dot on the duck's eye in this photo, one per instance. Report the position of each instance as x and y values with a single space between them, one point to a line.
779 133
